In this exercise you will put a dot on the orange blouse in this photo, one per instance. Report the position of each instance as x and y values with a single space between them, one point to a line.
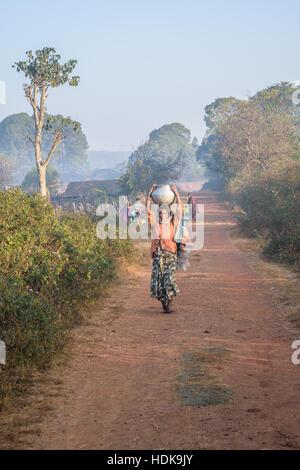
166 243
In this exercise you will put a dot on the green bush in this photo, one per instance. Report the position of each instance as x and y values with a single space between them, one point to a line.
49 266
271 208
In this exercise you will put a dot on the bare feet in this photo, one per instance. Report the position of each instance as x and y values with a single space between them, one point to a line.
167 308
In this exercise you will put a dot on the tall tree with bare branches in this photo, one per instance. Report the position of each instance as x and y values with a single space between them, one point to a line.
44 70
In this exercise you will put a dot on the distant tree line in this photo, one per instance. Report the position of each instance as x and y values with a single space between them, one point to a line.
254 144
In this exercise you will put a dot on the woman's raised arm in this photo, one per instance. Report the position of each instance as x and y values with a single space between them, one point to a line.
149 202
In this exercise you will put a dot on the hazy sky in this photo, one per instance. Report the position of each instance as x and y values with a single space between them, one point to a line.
150 62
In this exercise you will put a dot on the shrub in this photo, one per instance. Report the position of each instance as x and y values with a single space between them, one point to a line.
49 266
271 207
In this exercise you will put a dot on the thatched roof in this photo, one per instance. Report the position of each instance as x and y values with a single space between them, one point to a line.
87 188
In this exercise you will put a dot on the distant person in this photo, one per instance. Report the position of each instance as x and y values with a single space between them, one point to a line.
130 212
193 201
137 207
139 219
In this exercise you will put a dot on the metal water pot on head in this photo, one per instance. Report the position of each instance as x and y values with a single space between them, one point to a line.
163 194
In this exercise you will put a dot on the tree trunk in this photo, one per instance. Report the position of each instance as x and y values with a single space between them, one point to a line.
42 179
39 122
41 169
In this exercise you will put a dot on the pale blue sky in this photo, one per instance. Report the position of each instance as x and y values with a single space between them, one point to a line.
147 63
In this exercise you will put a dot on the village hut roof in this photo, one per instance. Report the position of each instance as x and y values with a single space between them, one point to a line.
87 188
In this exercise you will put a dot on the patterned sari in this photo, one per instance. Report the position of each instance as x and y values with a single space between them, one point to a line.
163 284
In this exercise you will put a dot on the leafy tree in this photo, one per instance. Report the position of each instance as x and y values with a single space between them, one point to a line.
70 157
13 141
44 71
172 138
5 170
161 159
276 98
254 144
208 153
31 181
146 168
254 139
247 137
167 133
218 111
195 143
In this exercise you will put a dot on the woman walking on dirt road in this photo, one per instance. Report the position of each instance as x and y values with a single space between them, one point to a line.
164 248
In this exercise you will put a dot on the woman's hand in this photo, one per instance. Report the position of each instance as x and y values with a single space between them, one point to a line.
150 218
174 189
179 203
149 198
154 186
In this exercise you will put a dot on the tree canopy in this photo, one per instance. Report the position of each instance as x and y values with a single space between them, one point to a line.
5 171
164 156
14 129
44 69
245 137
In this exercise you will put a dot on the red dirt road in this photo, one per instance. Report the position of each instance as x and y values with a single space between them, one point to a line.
119 389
